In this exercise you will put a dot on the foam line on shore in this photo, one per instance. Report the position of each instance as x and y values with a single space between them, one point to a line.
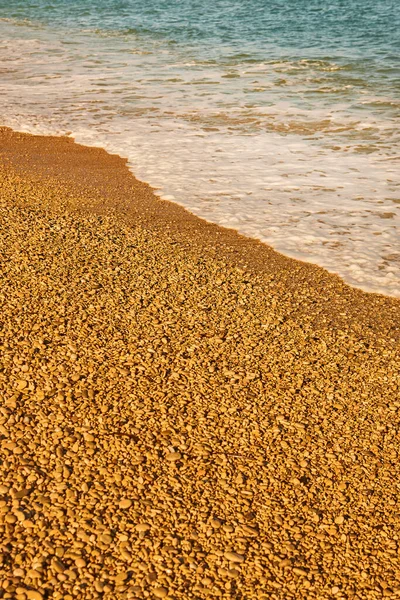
94 169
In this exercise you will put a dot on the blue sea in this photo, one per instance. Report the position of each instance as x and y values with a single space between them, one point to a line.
278 118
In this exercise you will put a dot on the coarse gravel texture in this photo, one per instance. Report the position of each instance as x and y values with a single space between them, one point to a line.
174 425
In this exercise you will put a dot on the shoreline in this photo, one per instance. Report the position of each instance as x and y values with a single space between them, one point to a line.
186 413
128 196
367 288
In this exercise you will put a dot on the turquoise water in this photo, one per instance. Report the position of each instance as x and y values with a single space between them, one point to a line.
277 118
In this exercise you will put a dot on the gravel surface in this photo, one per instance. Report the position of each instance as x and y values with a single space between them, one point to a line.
176 425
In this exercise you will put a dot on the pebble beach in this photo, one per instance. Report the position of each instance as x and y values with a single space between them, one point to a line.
185 413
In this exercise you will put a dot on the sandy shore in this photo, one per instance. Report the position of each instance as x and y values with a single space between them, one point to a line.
185 413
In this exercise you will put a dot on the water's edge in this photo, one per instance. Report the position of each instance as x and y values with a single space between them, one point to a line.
278 120
184 207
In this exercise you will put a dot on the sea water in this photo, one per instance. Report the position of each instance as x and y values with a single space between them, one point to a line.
278 118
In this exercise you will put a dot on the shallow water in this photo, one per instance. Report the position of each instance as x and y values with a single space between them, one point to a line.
279 119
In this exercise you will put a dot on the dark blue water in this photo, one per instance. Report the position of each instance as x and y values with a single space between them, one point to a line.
277 118
371 27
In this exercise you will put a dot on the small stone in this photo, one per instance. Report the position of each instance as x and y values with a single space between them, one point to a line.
4 490
300 572
33 574
19 573
160 592
21 493
234 557
21 384
142 527
33 595
215 523
58 566
250 531
125 503
339 520
11 519
335 590
99 586
80 563
173 456
233 573
106 539
28 524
